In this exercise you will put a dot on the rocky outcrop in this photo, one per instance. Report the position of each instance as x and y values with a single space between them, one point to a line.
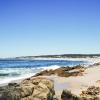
92 93
29 89
63 71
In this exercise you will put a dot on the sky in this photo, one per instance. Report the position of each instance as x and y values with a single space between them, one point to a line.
40 27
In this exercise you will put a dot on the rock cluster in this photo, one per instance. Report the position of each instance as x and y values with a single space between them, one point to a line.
29 89
63 71
39 88
92 93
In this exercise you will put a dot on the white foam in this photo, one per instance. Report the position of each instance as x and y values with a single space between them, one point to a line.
51 67
20 73
14 79
91 60
24 73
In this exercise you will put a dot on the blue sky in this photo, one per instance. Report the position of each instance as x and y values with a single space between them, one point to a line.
34 27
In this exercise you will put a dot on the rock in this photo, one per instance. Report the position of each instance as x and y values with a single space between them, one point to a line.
91 93
29 89
67 95
63 71
10 94
55 98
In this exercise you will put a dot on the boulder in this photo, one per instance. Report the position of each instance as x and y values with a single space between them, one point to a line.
29 89
67 95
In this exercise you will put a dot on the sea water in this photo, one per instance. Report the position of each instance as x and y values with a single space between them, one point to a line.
15 69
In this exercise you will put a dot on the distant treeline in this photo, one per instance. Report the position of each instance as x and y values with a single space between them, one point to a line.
63 56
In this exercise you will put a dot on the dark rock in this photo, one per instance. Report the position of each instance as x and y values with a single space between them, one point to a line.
10 93
13 84
67 95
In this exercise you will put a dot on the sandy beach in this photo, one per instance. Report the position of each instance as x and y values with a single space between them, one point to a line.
76 83
49 50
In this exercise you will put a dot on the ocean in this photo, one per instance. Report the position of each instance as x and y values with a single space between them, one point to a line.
14 69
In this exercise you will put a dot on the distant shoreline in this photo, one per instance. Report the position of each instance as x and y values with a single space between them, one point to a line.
63 56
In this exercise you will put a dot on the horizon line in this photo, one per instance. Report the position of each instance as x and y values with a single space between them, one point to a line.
67 54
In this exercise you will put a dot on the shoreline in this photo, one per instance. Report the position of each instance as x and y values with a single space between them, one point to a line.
91 61
13 79
77 84
78 79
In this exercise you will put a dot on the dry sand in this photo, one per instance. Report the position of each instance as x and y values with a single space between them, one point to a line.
76 84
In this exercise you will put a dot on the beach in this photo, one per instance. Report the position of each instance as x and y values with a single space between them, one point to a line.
49 50
19 69
77 84
78 80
